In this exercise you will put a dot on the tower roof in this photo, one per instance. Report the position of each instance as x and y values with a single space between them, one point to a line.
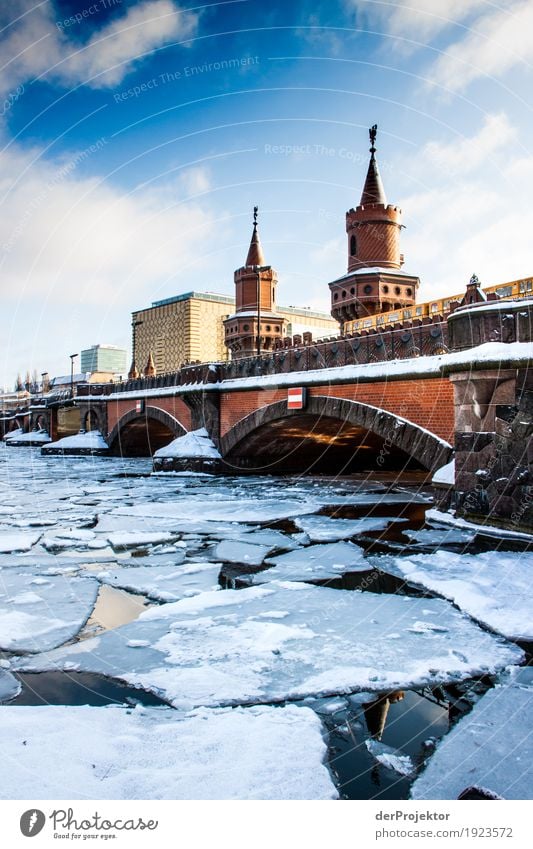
373 191
255 251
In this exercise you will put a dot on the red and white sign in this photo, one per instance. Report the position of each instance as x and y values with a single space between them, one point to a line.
296 398
139 406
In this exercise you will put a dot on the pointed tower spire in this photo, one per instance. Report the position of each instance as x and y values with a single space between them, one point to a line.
149 369
133 373
373 191
255 252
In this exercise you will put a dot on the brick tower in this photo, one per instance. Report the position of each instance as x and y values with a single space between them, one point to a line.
255 305
375 281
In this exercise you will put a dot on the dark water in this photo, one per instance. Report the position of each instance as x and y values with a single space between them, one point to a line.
78 688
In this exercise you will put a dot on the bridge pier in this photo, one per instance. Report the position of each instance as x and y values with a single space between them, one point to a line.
494 419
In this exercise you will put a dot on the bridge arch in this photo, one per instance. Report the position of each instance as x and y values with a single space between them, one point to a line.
392 431
141 434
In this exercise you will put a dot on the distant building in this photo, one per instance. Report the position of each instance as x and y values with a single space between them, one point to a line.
104 359
189 328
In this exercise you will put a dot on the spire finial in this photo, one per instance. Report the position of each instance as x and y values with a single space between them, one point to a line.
256 210
373 131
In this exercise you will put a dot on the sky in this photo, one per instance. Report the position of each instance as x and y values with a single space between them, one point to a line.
137 136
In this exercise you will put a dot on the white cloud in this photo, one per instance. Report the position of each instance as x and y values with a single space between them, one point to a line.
77 255
35 47
460 225
467 154
419 20
498 42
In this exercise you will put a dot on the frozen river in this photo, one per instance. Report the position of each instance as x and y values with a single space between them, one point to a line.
192 624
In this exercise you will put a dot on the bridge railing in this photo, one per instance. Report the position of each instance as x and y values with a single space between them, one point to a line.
427 338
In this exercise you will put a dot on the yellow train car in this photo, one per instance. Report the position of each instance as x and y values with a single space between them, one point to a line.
506 291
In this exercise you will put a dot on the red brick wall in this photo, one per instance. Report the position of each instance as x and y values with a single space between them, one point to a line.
428 403
174 406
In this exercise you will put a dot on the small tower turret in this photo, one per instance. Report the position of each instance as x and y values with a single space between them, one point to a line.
375 281
255 325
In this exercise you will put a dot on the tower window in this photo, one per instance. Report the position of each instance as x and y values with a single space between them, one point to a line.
277 328
409 292
344 293
367 290
353 246
336 296
385 289
352 290
268 328
397 290
246 327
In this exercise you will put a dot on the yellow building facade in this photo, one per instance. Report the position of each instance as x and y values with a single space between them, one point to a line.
189 328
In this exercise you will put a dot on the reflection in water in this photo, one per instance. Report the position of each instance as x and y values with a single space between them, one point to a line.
376 712
113 608
408 722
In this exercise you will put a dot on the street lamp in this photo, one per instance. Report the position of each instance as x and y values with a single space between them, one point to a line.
72 358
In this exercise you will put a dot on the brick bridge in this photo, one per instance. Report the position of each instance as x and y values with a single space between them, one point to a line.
385 400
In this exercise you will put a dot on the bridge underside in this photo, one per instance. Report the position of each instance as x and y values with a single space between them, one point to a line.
140 438
324 445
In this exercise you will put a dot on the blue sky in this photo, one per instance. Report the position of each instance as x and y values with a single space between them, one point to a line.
136 136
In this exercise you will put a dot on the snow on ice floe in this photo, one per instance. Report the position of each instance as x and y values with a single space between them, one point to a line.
91 439
196 443
287 641
10 542
390 758
136 539
9 686
102 753
231 551
493 587
222 509
163 583
326 529
490 748
38 616
317 562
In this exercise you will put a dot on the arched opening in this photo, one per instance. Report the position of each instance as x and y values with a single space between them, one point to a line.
90 421
331 436
307 444
353 246
141 434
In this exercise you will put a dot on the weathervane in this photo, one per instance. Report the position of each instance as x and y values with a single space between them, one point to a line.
256 210
373 131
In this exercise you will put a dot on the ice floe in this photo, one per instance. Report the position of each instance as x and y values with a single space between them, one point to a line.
223 509
493 587
10 542
159 753
231 551
36 617
326 529
9 686
287 641
163 583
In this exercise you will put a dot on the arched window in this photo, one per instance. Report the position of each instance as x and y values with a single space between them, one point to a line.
353 246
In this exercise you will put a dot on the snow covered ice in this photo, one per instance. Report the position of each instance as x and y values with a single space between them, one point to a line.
102 753
77 529
286 641
163 583
493 587
37 614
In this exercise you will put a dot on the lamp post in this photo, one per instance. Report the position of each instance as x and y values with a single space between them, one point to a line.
72 358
